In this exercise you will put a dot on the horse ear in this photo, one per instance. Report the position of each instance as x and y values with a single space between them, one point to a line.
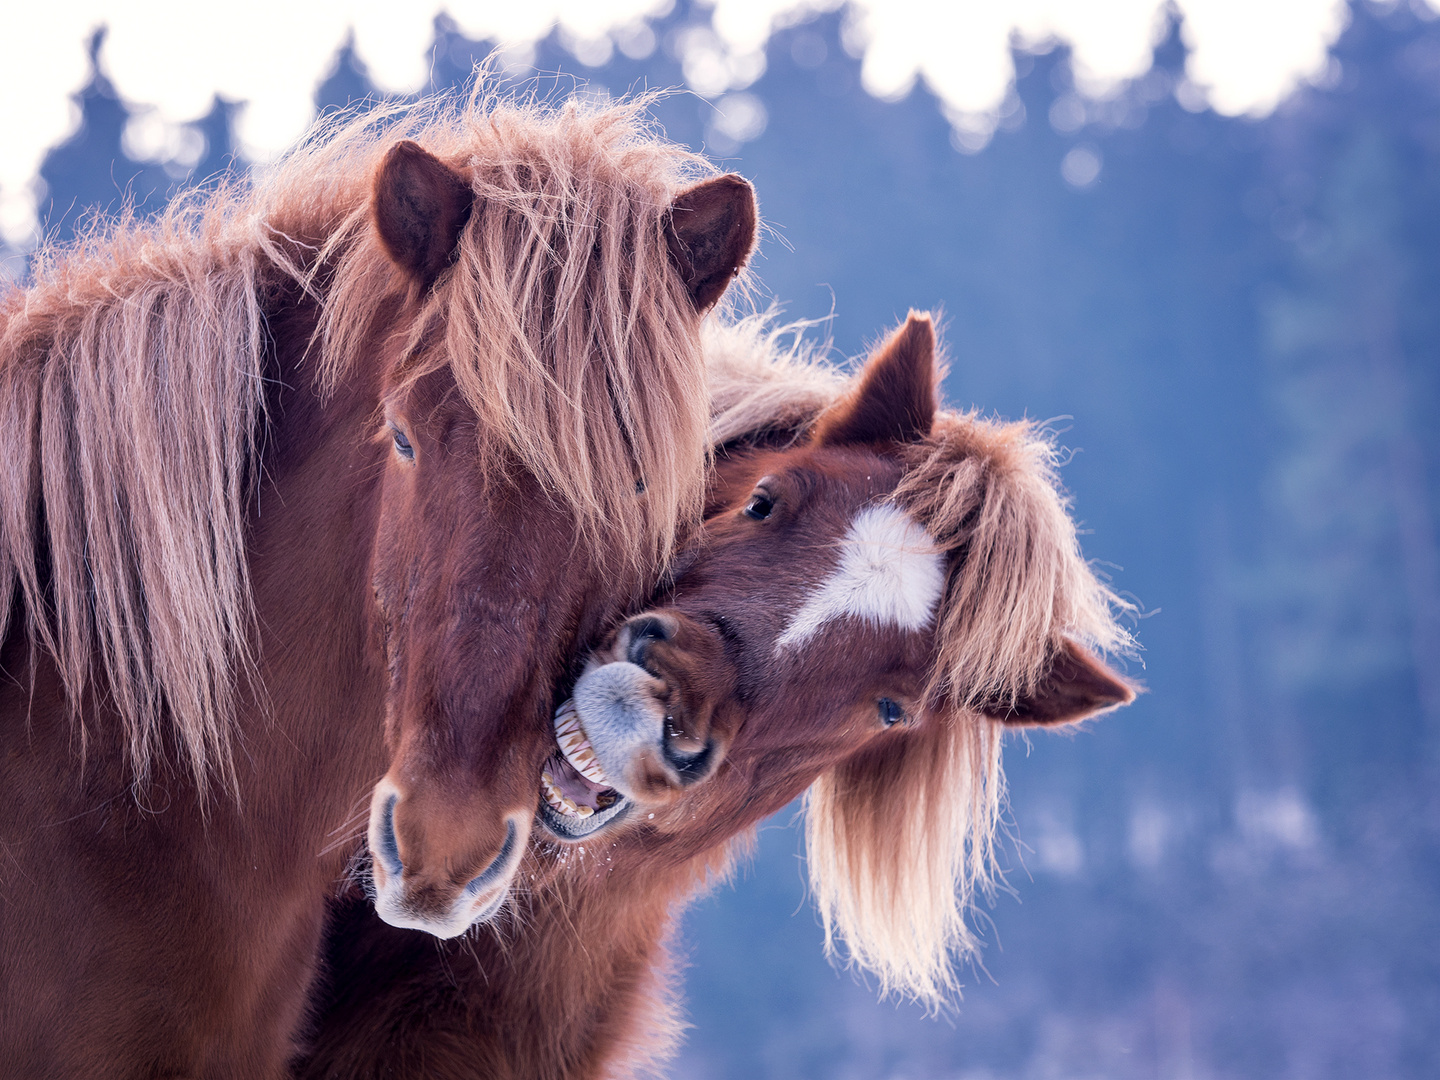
711 232
420 206
894 398
1078 687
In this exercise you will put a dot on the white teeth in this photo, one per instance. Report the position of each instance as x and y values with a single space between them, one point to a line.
578 751
575 746
557 800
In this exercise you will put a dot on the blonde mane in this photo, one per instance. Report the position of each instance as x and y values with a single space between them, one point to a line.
765 378
899 841
132 374
565 327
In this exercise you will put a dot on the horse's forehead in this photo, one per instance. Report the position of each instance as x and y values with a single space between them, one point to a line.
434 396
859 468
835 481
889 573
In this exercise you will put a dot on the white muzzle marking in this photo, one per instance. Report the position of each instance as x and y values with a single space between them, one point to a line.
471 906
621 718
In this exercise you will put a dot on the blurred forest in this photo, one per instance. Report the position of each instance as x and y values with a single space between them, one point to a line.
1236 321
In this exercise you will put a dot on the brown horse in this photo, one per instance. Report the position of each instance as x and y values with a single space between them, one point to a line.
309 483
878 592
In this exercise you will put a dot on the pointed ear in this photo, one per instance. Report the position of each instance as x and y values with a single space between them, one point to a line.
894 397
420 206
1078 687
711 233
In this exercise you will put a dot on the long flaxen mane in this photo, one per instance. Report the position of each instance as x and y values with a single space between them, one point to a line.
133 371
900 840
563 323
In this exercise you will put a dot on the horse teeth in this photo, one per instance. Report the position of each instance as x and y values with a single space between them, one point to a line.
566 719
555 797
575 745
560 803
594 773
585 811
586 763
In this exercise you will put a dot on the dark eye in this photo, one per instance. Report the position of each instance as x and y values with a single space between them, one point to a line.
891 712
403 447
760 506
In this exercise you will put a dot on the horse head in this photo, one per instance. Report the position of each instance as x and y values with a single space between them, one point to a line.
527 482
864 612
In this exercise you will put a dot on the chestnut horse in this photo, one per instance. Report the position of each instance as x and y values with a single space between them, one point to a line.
307 484
878 593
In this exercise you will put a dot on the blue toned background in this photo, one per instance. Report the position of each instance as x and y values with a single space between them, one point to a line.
1239 321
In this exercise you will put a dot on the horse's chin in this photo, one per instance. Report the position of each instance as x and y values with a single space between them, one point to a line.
569 828
390 905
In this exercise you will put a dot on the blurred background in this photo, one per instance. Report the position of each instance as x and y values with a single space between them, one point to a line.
1206 237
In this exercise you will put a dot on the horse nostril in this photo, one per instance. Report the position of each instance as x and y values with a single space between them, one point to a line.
642 631
497 868
691 765
389 847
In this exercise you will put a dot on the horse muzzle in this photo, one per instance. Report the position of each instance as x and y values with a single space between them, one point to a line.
416 893
637 724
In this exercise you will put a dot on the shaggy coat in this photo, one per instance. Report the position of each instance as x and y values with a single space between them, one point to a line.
306 481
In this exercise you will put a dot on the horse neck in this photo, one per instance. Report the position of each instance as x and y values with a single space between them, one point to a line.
593 945
593 955
589 963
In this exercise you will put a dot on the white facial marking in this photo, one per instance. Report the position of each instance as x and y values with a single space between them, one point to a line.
890 574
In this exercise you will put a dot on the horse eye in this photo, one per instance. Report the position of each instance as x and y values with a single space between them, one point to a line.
891 712
759 507
403 447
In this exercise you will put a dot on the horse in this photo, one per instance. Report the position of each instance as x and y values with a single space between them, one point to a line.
879 592
311 481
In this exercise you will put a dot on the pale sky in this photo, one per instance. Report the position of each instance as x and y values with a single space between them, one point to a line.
170 57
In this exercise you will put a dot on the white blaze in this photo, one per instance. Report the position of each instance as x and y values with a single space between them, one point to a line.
890 574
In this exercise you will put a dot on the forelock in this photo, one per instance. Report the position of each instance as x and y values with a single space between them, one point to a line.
565 327
989 492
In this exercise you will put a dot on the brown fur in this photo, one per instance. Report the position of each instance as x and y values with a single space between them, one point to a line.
899 820
132 375
893 398
1019 597
204 506
711 230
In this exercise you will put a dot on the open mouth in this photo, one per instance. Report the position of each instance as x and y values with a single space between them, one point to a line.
575 799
